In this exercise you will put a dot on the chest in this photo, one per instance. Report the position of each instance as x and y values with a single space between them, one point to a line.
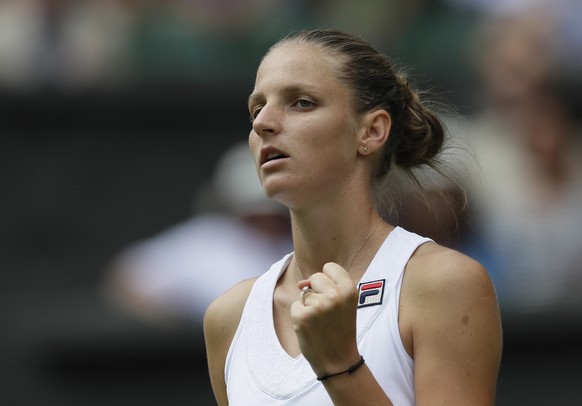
283 323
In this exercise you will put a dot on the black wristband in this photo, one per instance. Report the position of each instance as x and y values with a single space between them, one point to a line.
347 371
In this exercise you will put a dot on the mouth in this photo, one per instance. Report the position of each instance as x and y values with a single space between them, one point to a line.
274 157
271 154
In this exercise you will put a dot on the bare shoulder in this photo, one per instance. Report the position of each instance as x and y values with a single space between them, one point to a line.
434 270
442 286
223 315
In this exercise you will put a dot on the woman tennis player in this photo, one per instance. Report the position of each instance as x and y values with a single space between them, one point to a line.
362 312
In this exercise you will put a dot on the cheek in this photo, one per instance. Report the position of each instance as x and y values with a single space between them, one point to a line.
336 129
254 145
332 154
339 139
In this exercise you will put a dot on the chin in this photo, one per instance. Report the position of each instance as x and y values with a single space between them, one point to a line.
280 193
290 191
275 194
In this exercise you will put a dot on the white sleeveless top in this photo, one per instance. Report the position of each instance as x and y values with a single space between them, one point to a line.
258 371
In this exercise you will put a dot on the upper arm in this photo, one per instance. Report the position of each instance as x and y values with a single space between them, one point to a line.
220 323
455 329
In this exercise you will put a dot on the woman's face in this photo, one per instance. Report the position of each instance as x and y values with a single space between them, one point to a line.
304 133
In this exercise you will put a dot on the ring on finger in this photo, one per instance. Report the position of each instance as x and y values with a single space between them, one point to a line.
304 292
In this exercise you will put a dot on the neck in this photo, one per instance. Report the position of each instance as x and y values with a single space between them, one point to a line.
332 235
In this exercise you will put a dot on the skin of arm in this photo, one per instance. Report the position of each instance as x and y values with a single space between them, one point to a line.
220 323
451 326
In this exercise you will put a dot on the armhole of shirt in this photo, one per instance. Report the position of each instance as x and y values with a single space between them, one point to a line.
396 308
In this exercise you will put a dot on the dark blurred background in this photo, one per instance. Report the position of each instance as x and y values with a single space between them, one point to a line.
114 114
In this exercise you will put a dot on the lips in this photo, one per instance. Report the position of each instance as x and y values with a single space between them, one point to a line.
269 154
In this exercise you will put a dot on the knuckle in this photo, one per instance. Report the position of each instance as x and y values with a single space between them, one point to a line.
334 296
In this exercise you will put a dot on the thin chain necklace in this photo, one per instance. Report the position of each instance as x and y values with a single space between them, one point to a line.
353 257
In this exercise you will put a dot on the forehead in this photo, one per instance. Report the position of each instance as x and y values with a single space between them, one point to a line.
299 64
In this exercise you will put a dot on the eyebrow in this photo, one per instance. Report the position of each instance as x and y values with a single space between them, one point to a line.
254 97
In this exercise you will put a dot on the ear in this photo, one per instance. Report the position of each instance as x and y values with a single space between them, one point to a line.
375 130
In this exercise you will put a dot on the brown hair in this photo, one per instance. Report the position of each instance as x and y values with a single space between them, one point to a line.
417 134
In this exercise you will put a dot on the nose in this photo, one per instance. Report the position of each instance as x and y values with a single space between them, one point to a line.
267 121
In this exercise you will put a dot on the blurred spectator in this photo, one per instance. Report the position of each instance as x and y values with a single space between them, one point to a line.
380 22
63 43
561 17
528 198
499 7
94 40
20 42
176 274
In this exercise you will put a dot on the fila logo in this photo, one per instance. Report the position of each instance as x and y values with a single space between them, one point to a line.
371 293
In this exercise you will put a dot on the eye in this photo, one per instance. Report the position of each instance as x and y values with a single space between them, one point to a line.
304 104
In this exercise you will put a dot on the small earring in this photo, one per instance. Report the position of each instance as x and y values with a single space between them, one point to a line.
365 149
